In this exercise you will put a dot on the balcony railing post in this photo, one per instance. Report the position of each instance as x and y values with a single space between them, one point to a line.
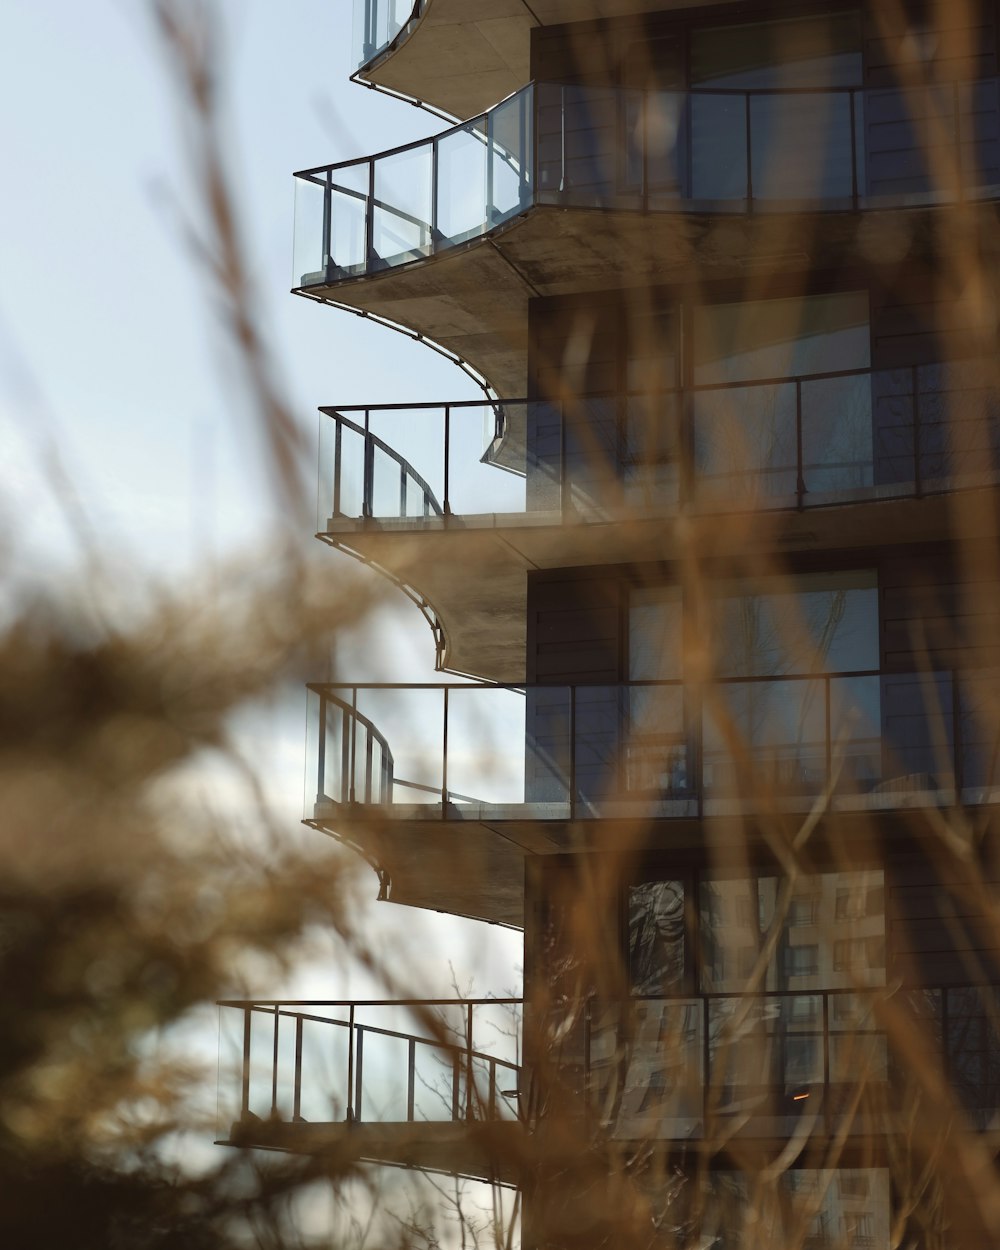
353 765
327 242
274 1066
359 1059
800 481
827 1110
411 1071
562 138
749 152
345 756
321 749
370 221
297 1082
854 149
456 1080
918 483
572 752
958 770
432 241
444 757
447 460
827 729
338 439
368 471
469 1073
350 1065
245 1091
491 1105
959 179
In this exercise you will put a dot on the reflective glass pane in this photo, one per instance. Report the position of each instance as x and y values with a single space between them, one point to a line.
401 218
801 147
309 245
461 183
745 440
718 147
837 433
656 927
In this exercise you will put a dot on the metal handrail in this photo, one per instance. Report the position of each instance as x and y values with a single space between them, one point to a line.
920 382
645 190
373 443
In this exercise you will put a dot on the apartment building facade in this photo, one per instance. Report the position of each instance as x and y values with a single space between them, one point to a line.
710 572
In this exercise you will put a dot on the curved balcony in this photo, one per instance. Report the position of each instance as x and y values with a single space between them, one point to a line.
428 1083
448 1090
480 776
686 181
415 489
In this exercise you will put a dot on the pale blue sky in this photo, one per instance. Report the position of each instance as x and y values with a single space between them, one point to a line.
103 307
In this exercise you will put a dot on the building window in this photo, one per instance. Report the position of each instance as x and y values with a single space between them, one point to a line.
802 961
802 911
656 937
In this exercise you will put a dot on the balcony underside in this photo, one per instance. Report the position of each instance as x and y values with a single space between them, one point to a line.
473 299
507 1152
480 1151
464 55
473 570
469 859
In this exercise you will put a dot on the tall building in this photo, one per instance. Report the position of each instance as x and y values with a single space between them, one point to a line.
712 571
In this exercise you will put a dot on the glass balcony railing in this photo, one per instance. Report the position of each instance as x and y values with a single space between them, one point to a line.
652 1067
778 442
650 749
378 23
428 1061
702 150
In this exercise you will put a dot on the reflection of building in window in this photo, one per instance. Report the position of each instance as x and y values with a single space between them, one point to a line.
802 961
656 936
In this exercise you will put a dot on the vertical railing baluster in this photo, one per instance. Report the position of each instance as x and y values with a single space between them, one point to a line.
370 220
456 1070
800 481
354 745
827 1110
369 747
321 750
444 758
706 1060
491 1106
359 1061
274 1067
432 241
828 731
958 770
562 138
350 1065
411 1071
469 1074
245 1092
488 207
918 476
338 466
345 757
402 492
572 752
327 240
368 471
854 150
297 1079
749 153
447 460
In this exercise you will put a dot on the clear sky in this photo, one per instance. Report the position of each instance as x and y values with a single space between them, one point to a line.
109 348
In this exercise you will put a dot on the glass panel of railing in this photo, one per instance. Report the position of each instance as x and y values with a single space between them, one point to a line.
376 25
665 118
802 147
745 441
766 1059
959 429
477 481
349 205
855 733
651 454
412 724
509 171
893 407
762 736
341 468
309 251
547 749
911 142
837 434
980 734
229 1104
323 1095
543 457
718 148
918 733
401 212
406 451
652 758
486 757
973 1051
663 1084
979 124
461 182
